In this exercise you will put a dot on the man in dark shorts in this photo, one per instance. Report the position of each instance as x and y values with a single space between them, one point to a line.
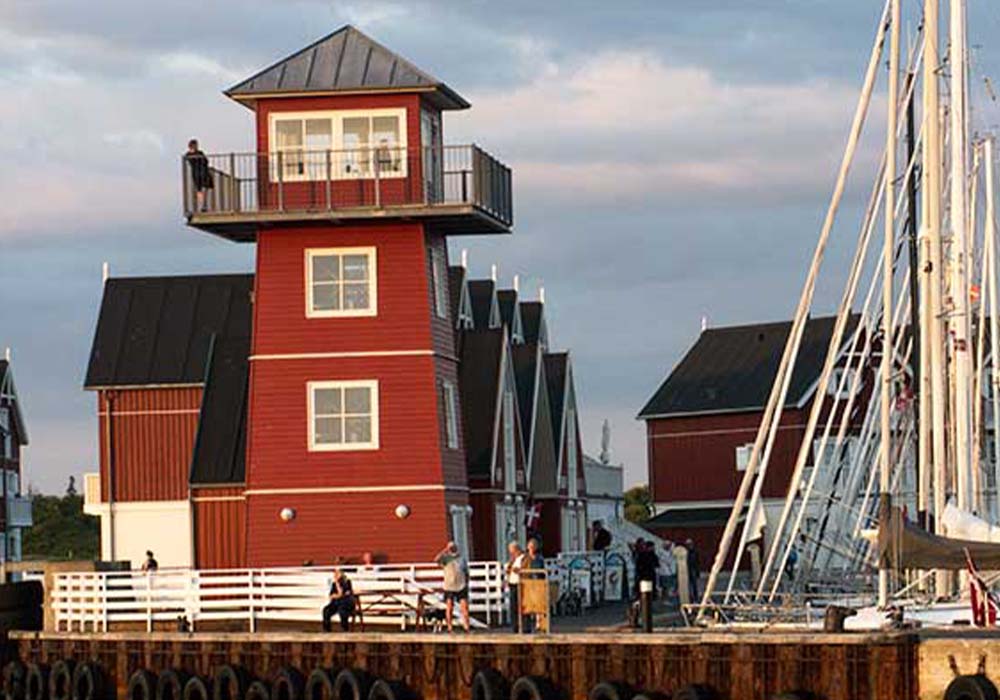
456 584
341 602
201 174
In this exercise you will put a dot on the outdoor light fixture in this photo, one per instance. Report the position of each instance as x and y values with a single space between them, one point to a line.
287 514
402 511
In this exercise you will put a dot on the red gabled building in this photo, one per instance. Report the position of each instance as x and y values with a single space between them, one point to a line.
356 393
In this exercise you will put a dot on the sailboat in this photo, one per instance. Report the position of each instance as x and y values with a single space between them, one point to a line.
893 499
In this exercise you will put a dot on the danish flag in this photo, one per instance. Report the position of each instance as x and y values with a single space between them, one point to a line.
533 516
984 603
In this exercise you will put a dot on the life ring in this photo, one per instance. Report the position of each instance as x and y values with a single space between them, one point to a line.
388 690
695 691
971 687
532 688
488 684
319 685
170 684
61 680
13 680
196 689
258 690
351 685
288 684
230 683
88 682
141 686
610 690
36 682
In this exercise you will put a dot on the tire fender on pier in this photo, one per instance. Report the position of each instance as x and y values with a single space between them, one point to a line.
532 688
196 689
288 684
36 682
319 685
230 683
351 685
488 684
388 690
170 684
695 692
611 690
14 674
88 682
61 680
971 687
258 690
142 686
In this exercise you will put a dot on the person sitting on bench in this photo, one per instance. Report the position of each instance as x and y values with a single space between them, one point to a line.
341 601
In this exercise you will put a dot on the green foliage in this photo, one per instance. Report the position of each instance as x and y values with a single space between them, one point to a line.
638 504
61 530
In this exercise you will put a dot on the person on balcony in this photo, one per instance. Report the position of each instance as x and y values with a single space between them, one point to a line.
201 174
150 565
341 601
456 584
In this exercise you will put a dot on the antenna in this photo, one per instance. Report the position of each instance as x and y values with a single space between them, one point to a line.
517 283
465 257
105 272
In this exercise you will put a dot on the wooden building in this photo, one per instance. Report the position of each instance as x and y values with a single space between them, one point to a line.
356 393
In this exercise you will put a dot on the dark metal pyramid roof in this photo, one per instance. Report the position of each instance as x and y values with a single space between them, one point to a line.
345 61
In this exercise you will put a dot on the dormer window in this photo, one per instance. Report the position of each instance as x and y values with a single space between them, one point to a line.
338 145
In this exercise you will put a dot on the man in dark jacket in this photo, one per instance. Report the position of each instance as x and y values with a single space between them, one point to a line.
646 564
341 602
200 172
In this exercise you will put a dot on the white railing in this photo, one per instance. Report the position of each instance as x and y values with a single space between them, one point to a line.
390 594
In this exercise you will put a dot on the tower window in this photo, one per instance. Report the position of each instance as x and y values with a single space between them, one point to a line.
341 282
343 415
439 282
450 415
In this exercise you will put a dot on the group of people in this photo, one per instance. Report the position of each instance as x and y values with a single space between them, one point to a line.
522 564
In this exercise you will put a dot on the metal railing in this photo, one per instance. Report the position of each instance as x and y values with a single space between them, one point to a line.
327 180
388 595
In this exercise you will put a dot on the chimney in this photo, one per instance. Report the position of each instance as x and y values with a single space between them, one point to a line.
465 258
105 272
541 294
517 283
493 272
704 323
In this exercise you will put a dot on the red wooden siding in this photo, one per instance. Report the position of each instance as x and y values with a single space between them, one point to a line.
345 525
483 525
219 527
154 431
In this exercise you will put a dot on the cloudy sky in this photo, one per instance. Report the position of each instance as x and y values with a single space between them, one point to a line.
672 161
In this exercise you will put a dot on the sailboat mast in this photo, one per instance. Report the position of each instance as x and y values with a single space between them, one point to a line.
991 283
885 444
959 319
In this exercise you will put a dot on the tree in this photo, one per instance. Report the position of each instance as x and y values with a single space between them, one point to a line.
638 504
61 530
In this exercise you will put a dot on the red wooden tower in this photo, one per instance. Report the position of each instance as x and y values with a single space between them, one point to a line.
354 437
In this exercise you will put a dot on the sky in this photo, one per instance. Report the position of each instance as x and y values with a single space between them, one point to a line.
672 164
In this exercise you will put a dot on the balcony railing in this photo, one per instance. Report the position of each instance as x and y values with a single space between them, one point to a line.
430 181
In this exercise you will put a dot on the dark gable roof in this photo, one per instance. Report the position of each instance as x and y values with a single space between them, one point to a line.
525 358
556 364
345 61
7 385
157 330
479 377
481 295
507 301
531 320
732 369
221 442
456 279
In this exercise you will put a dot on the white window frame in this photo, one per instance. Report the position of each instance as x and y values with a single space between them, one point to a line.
439 282
449 396
370 384
743 453
835 377
372 309
337 148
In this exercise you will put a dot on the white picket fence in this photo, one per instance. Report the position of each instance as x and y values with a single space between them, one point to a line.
389 594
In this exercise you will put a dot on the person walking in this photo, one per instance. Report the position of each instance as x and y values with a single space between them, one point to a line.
341 601
601 537
456 584
515 562
201 174
646 565
150 566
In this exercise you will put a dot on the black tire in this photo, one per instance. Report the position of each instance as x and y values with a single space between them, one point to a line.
14 674
141 686
88 682
61 680
351 685
650 696
196 689
230 683
170 684
36 682
971 687
695 692
288 684
488 684
610 690
319 685
388 690
793 695
258 690
532 688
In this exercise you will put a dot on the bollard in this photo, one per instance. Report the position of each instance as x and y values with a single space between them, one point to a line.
646 603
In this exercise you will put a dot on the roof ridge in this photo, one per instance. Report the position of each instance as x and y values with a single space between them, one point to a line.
294 54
